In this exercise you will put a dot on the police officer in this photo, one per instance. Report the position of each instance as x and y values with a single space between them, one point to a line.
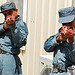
13 35
63 44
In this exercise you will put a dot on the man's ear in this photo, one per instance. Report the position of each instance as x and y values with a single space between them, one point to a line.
16 10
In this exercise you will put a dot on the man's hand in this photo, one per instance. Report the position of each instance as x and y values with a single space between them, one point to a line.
9 20
5 25
63 37
68 33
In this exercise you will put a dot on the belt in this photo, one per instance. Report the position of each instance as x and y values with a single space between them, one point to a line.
2 52
60 67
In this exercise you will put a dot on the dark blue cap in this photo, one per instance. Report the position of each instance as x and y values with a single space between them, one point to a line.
66 15
7 6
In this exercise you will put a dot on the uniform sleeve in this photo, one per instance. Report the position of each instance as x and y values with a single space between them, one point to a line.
51 43
19 33
72 53
1 29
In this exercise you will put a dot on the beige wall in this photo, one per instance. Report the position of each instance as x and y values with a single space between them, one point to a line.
42 22
73 2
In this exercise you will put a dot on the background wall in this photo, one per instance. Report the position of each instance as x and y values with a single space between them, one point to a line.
73 2
42 22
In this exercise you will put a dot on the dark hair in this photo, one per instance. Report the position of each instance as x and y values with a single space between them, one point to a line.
67 23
